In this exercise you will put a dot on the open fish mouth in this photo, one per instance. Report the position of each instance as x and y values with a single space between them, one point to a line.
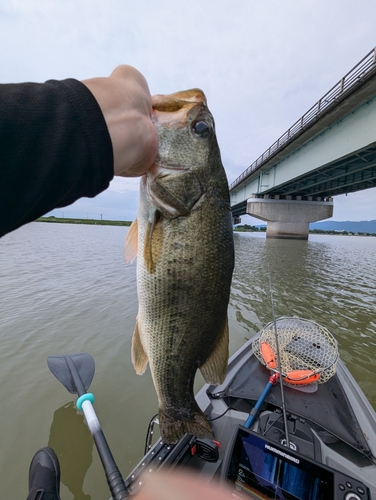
178 100
171 111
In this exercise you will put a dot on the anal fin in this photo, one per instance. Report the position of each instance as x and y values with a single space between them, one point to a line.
139 356
215 367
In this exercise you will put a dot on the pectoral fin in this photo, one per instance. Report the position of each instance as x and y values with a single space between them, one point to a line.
131 242
153 242
215 367
139 356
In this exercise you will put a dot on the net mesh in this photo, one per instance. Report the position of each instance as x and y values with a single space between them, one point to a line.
308 351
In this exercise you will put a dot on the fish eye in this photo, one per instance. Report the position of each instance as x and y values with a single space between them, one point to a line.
201 128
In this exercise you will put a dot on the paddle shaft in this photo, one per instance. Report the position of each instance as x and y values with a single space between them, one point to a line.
252 416
114 478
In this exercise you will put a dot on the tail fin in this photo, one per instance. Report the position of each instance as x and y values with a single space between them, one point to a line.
173 427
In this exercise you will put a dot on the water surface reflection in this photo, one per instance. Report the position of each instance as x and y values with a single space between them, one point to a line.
327 279
65 289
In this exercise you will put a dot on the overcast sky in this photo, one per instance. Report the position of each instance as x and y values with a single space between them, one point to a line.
261 64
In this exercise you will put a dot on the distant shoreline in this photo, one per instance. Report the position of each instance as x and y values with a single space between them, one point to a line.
93 222
241 229
262 229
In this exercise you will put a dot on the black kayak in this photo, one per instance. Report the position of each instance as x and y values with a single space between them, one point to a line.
322 414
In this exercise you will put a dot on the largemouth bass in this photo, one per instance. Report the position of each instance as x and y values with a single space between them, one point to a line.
185 259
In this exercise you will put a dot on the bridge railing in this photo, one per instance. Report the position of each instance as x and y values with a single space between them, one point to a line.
353 78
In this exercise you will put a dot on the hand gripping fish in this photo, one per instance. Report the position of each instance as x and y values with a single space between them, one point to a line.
185 257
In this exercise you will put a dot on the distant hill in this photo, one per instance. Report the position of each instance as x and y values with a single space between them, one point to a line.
364 226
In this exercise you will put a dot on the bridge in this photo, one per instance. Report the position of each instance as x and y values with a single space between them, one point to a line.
330 150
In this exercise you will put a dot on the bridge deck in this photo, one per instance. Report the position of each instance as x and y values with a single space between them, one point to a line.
354 172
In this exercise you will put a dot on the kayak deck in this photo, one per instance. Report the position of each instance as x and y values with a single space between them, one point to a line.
334 426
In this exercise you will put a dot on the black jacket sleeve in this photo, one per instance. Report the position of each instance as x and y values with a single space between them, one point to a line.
54 148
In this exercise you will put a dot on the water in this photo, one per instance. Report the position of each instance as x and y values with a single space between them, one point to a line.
65 288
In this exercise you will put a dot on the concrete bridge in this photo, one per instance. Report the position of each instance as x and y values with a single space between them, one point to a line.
330 150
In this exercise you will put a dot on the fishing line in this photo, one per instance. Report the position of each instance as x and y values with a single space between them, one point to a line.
279 365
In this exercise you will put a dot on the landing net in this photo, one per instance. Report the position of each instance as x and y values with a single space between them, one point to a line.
308 351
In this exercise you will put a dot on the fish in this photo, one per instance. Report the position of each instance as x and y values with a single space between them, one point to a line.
183 240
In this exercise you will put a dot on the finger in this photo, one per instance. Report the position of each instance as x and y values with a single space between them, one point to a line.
182 486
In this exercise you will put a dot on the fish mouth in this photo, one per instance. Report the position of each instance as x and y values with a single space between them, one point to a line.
171 110
177 100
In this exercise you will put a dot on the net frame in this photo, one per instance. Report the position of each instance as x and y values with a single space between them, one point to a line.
308 351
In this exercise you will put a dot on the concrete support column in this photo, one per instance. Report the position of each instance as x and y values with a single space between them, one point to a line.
289 218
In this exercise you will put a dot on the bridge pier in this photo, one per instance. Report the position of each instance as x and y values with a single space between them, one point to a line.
289 218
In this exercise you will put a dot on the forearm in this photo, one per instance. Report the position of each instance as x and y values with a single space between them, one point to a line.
54 148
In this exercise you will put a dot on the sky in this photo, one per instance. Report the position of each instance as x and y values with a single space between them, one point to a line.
261 64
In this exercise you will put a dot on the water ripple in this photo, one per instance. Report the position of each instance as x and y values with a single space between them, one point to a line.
329 279
65 288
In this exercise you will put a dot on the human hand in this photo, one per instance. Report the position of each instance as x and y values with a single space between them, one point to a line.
182 486
125 101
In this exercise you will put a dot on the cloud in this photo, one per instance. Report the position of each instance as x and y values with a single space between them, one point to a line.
261 64
124 186
355 206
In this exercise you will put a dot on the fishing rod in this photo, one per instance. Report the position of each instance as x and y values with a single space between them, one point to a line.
279 365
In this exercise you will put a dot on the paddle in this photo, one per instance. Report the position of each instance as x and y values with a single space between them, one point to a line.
76 372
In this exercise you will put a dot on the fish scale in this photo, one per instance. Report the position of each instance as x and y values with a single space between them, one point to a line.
185 258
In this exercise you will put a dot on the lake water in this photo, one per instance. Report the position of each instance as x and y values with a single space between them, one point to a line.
65 288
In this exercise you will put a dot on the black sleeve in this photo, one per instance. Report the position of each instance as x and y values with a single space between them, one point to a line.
54 148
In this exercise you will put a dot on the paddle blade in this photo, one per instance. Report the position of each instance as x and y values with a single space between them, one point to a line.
84 366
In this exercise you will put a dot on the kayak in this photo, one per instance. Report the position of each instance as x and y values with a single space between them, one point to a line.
289 422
